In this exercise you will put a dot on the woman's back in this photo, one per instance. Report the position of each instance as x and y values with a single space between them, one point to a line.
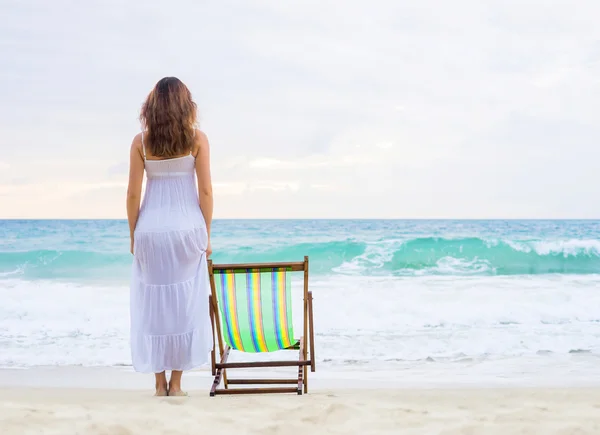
170 324
171 197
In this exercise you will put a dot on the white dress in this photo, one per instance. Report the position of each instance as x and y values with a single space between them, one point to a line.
170 323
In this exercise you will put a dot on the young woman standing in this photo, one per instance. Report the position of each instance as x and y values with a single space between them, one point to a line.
170 238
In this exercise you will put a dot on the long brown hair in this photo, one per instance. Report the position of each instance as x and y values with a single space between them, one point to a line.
168 117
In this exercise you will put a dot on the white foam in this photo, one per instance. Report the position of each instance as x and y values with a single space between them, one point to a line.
18 271
567 247
374 257
360 321
572 247
49 323
454 266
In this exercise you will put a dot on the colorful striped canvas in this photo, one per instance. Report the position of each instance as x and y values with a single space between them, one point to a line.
256 309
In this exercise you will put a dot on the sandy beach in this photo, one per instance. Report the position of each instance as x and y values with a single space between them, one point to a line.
449 412
84 407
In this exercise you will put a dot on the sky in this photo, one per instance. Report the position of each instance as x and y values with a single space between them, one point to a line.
313 108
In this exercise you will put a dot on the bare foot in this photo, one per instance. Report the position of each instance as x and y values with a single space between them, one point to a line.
177 393
161 392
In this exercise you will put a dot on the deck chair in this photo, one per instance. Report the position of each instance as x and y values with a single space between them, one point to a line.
251 311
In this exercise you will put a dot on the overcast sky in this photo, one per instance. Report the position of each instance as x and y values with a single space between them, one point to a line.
313 108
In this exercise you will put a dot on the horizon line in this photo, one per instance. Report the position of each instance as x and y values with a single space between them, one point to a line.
332 219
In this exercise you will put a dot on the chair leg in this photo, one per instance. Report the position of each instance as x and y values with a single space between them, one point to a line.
220 373
213 358
305 369
301 368
311 338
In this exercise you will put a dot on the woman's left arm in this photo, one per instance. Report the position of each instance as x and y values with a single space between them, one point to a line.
134 189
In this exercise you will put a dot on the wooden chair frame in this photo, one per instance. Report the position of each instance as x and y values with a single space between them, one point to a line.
219 369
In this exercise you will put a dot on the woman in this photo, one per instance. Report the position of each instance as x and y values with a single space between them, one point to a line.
170 238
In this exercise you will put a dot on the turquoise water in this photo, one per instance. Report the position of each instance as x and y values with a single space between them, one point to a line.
437 299
98 249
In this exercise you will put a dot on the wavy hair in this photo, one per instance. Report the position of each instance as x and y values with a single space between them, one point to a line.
168 117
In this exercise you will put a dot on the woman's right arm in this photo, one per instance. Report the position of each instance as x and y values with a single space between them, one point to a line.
134 188
205 193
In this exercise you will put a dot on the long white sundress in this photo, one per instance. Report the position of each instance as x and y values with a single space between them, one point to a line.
170 323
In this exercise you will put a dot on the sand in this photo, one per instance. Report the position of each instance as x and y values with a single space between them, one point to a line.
506 411
110 401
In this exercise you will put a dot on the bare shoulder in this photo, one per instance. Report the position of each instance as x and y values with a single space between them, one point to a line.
136 144
200 142
201 137
137 141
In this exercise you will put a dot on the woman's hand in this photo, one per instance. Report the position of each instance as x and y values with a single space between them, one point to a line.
208 249
131 248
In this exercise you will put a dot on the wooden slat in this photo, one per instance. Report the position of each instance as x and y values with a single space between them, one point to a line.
296 266
257 390
246 365
312 332
261 381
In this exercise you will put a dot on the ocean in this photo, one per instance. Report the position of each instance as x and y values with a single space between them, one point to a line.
427 299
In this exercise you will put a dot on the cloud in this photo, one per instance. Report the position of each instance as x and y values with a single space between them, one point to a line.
232 188
237 188
379 109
